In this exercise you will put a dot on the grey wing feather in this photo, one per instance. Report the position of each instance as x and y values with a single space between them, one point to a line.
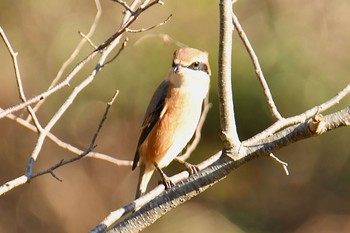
153 111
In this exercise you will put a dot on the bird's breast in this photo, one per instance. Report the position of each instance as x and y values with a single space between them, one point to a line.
175 127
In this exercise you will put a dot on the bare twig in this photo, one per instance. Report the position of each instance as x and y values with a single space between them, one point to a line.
68 146
165 37
150 28
86 152
258 70
284 164
285 122
75 52
87 39
19 79
125 5
105 50
49 92
109 104
119 51
127 21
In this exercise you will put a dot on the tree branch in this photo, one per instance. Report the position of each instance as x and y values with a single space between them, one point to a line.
275 114
199 182
105 49
75 52
228 132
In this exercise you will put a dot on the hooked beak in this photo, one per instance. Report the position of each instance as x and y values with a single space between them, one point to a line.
175 67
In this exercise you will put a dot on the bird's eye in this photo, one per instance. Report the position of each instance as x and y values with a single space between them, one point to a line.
195 65
199 66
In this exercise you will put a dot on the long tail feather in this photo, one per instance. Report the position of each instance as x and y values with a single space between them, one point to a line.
144 178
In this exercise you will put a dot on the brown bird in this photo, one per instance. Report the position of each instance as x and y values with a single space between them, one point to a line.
172 115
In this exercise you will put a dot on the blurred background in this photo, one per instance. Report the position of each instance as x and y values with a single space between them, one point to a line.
303 47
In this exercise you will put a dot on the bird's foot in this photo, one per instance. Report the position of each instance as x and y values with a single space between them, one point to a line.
192 169
168 183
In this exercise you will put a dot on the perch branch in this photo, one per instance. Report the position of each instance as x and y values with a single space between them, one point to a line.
199 182
117 214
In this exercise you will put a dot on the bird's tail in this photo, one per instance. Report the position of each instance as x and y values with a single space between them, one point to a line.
144 178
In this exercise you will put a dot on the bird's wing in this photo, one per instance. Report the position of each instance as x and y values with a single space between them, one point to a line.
153 112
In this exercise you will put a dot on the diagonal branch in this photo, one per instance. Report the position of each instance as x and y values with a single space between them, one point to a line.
149 28
68 146
258 70
19 79
75 52
105 49
282 123
86 152
205 178
128 20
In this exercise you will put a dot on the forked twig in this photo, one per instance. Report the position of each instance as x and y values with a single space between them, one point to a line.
68 146
86 152
125 5
104 49
284 164
75 52
19 79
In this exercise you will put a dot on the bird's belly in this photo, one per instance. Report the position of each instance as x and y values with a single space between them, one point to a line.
172 132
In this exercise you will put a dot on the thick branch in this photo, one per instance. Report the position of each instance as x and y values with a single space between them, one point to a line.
207 177
229 134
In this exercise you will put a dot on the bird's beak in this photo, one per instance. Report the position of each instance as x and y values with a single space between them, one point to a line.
175 67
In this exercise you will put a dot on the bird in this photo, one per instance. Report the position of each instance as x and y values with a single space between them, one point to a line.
172 115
